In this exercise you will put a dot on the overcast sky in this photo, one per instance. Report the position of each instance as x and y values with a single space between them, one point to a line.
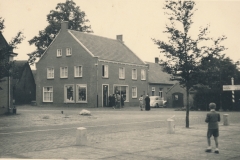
137 20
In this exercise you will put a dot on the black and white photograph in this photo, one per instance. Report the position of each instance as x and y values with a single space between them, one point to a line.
120 79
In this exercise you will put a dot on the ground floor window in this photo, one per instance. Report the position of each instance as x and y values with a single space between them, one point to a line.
134 92
81 93
47 94
122 90
69 93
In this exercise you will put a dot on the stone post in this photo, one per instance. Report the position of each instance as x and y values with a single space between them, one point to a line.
81 136
170 124
225 120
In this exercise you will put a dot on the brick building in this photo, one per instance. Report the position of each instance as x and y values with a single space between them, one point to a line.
84 69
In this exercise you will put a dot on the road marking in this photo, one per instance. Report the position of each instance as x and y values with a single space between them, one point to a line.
9 133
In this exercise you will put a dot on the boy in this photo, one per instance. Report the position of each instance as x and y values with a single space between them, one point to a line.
212 119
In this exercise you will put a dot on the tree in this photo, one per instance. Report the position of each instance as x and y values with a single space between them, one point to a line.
5 50
67 11
214 73
183 52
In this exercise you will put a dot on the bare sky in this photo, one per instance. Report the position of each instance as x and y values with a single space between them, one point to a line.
137 20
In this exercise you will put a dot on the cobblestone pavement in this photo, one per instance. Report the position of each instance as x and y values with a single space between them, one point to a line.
143 140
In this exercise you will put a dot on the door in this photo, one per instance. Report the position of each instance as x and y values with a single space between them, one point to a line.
105 95
177 99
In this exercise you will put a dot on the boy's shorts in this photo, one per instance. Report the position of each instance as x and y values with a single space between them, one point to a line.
213 132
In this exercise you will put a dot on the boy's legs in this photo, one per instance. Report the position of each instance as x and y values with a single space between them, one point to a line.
209 134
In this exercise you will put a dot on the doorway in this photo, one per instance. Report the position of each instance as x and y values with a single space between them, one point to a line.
105 95
177 100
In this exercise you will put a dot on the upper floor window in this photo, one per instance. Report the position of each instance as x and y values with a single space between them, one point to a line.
78 71
59 52
47 94
105 71
134 92
63 72
134 74
143 74
68 51
50 73
122 73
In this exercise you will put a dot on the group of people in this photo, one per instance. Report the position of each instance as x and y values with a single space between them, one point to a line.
146 104
116 101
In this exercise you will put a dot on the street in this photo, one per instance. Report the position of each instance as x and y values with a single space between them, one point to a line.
105 125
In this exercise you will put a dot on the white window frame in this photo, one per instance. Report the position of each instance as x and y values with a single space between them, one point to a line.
143 74
50 99
121 73
161 94
78 71
59 52
68 51
77 93
134 74
134 91
127 90
64 74
50 73
105 71
65 94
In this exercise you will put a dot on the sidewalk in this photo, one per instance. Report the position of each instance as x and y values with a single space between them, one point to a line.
185 144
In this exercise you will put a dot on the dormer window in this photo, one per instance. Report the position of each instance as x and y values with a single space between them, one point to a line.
59 52
68 51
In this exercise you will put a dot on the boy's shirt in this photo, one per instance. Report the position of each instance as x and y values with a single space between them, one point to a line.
212 119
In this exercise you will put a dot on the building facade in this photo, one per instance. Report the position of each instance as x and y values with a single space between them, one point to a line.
84 69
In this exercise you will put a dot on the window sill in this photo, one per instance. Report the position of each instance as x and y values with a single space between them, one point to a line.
50 78
69 102
59 56
68 55
122 78
134 79
63 77
78 77
47 101
82 102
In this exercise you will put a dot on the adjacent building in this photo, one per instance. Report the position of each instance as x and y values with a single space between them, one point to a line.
24 87
83 69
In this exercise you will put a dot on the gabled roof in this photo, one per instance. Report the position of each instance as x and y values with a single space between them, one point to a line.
157 75
106 49
18 68
3 42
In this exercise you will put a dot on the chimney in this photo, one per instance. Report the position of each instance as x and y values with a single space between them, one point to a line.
64 26
156 60
120 38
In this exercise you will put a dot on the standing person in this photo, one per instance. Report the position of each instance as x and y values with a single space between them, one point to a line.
118 98
110 101
147 103
212 119
141 102
122 101
113 101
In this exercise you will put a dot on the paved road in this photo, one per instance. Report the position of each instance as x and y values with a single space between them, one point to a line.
109 126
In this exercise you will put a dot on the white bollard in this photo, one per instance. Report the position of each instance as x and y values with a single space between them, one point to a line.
225 120
81 136
171 129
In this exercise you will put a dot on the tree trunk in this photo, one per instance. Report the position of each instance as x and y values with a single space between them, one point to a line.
187 109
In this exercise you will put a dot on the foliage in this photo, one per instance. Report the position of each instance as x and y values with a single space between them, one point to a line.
67 11
5 65
214 73
183 52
